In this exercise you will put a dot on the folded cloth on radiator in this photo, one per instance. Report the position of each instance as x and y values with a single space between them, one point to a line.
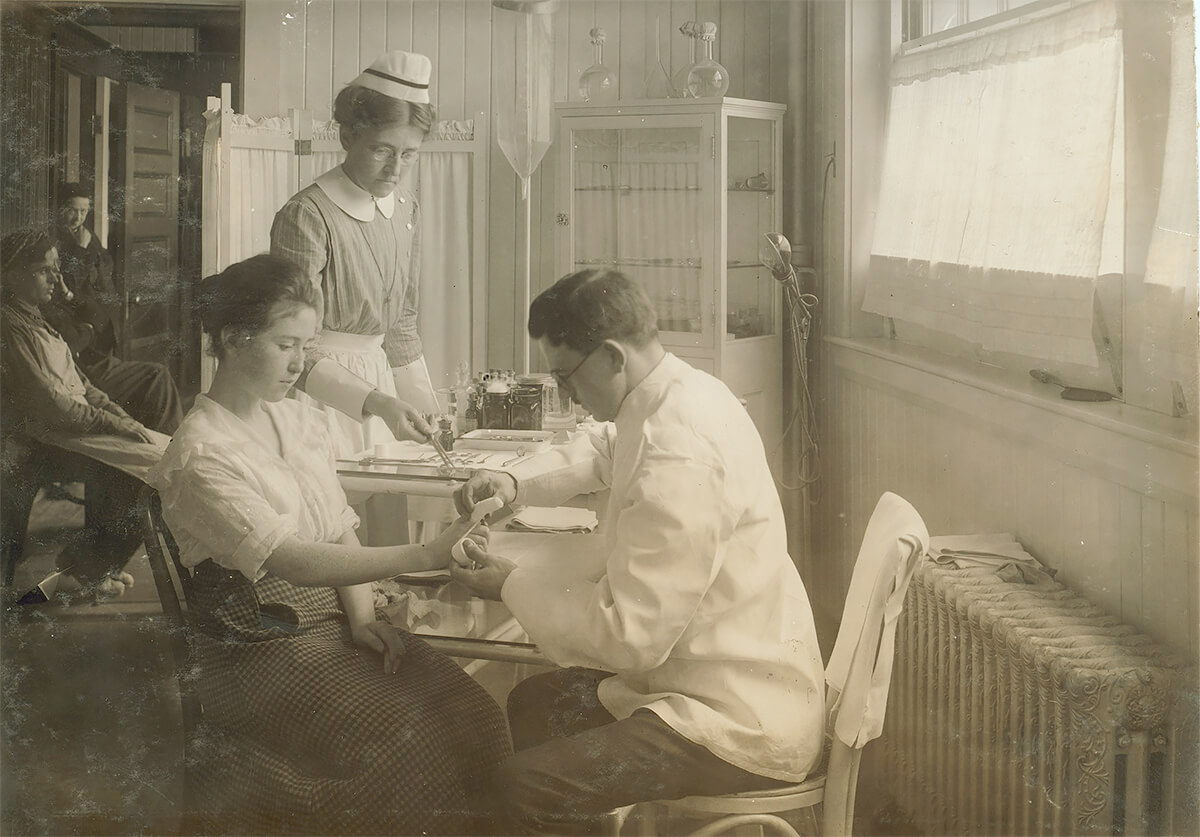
559 519
999 552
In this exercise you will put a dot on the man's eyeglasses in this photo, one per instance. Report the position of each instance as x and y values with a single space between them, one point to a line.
562 379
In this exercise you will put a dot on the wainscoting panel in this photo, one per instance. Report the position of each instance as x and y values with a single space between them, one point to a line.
1112 509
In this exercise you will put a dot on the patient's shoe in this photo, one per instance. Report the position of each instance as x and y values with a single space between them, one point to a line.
113 585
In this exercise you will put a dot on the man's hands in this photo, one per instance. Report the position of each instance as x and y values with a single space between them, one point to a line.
130 428
382 638
486 579
404 420
484 484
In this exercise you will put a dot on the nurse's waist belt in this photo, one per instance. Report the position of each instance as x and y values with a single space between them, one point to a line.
344 341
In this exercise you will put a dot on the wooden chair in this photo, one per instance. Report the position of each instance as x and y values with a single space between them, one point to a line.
39 467
173 582
857 677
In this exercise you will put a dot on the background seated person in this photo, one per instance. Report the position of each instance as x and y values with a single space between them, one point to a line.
697 669
44 392
89 320
380 734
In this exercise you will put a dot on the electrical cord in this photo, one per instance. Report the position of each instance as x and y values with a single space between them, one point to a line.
801 309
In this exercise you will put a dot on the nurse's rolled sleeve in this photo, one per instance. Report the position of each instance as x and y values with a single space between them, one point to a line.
224 513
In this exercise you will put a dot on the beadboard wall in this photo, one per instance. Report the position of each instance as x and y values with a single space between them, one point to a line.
1102 493
299 53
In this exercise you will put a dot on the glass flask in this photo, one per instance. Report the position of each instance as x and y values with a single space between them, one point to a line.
658 82
598 83
707 78
679 81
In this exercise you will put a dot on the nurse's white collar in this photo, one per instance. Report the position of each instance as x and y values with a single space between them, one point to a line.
352 199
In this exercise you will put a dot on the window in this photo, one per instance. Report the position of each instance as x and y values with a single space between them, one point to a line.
1016 211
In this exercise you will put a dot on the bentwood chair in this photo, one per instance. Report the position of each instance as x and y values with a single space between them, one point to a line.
857 677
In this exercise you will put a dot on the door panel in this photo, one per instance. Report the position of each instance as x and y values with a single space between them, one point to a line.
151 229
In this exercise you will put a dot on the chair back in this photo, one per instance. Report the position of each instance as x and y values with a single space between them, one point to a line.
173 581
860 669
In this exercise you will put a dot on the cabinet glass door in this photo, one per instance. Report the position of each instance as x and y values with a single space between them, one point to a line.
751 211
641 197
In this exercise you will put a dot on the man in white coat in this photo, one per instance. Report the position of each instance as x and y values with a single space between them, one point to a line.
690 658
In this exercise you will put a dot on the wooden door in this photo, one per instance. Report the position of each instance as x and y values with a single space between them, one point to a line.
149 239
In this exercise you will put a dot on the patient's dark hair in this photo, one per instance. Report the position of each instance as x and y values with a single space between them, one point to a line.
358 107
23 247
584 309
243 296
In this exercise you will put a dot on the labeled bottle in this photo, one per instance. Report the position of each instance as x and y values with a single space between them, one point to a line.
493 413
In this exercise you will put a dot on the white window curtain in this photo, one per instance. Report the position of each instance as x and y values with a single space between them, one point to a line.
1169 341
998 168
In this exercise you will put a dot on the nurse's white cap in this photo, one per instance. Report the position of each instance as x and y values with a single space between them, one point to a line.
401 75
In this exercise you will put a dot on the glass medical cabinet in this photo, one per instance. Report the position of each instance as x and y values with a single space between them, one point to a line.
677 194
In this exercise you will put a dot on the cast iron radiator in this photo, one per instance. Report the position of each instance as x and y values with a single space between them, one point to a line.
1023 709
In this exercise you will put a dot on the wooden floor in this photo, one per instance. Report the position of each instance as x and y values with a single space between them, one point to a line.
91 732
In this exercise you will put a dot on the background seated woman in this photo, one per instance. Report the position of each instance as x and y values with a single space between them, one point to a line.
355 726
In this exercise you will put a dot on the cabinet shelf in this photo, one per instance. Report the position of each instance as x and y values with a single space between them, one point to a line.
685 264
733 190
638 189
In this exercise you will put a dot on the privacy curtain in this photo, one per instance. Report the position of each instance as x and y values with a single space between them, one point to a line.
447 241
998 168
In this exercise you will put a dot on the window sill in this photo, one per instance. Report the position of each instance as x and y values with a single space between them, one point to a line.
1153 454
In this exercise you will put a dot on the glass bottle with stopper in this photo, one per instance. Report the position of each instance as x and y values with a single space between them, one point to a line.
679 81
598 83
708 79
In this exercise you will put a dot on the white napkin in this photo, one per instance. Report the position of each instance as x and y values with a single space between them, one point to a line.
1001 552
559 519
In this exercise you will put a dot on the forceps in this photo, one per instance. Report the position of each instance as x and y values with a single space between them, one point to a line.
441 451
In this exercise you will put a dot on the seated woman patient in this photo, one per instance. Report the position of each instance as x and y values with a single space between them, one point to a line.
352 725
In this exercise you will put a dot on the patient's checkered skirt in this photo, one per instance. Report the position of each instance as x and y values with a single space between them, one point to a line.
323 741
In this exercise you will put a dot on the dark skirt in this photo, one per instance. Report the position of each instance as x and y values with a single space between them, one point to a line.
327 743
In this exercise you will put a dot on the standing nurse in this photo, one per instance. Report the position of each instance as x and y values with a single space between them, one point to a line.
354 234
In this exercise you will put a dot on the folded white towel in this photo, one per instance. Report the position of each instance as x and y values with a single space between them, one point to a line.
1001 552
559 519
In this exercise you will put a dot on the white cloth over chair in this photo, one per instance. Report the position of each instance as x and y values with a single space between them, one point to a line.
896 538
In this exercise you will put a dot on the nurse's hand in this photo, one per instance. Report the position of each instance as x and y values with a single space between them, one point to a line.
404 420
484 484
381 638
486 578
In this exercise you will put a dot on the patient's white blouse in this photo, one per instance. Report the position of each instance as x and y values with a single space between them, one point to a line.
700 611
228 497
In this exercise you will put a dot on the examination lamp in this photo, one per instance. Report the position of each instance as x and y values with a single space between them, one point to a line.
775 254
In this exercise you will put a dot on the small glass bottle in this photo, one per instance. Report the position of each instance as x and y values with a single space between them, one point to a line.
598 83
707 78
445 433
679 81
